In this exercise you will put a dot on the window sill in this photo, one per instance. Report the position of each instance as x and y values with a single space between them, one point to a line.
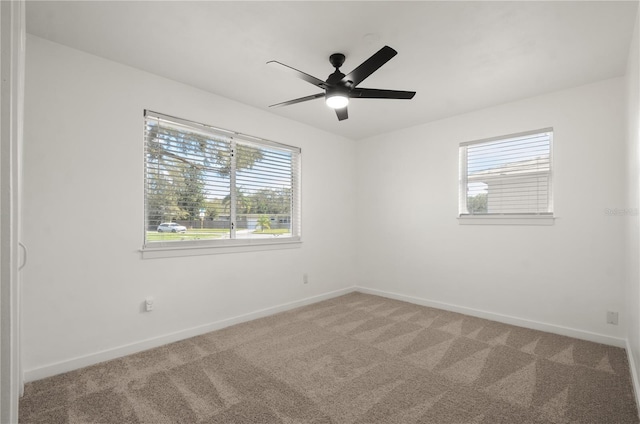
157 252
506 220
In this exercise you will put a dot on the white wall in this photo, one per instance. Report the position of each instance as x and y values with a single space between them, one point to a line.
632 230
562 277
83 216
397 233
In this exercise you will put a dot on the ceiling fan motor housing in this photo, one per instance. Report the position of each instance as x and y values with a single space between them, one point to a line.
336 79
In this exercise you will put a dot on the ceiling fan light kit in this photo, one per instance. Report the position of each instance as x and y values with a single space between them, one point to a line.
337 101
336 98
339 88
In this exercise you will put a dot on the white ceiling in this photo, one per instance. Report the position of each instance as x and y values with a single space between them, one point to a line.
458 56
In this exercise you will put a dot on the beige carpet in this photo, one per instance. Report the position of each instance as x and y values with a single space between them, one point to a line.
353 359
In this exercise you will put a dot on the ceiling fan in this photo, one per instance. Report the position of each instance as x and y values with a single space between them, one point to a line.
339 88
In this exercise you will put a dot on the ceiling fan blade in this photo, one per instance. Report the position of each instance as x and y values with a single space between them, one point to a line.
308 78
374 93
342 114
301 99
370 65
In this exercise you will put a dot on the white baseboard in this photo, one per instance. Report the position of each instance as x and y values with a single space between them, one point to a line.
109 354
634 374
520 322
117 352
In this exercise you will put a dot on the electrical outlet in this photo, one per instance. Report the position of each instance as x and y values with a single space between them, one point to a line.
612 318
148 304
305 278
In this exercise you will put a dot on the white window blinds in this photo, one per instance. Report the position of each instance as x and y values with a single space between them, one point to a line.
507 175
218 186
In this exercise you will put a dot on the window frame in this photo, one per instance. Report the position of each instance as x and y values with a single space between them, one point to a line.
503 218
161 249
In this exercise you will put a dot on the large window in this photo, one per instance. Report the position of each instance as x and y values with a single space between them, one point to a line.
507 176
210 187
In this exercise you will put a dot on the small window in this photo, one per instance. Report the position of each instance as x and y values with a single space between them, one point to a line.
507 176
210 187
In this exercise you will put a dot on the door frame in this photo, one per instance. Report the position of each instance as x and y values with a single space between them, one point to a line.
12 56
